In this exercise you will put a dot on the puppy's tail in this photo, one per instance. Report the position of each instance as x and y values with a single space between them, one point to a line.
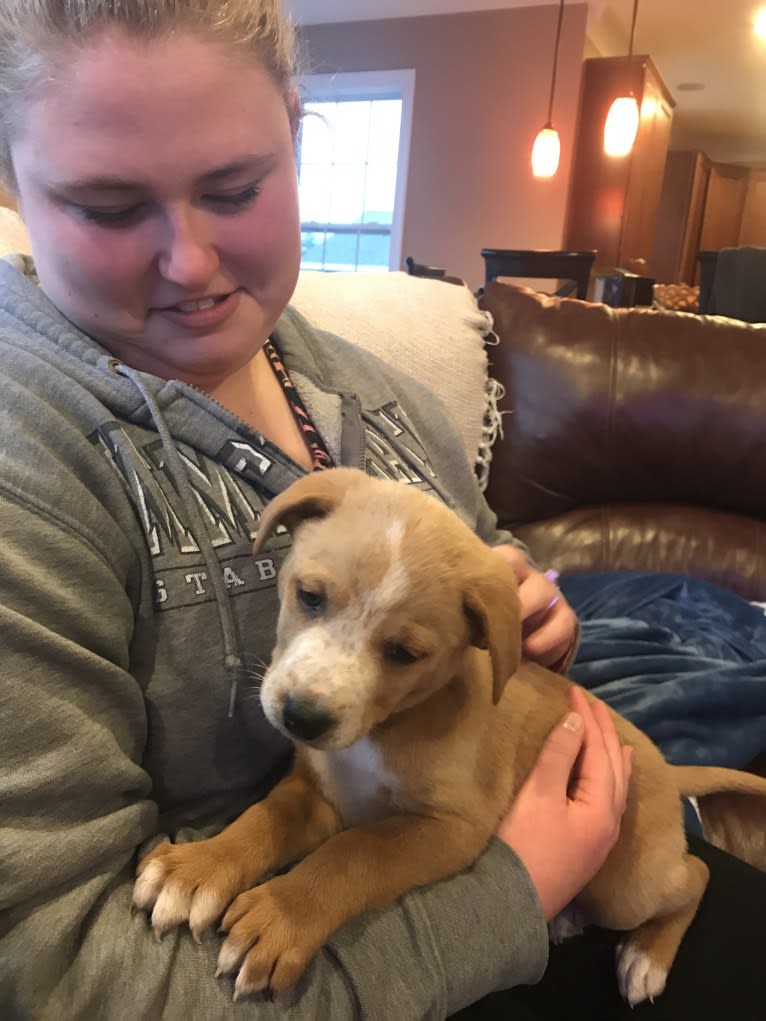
732 806
696 781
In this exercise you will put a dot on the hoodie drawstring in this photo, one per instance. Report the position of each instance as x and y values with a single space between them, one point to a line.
232 659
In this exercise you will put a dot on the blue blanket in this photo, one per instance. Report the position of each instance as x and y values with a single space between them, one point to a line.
684 660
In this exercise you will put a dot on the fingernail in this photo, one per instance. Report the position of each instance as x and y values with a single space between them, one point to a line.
573 722
552 575
552 603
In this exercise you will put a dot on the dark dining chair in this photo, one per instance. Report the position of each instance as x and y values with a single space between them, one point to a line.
419 269
707 261
733 283
573 268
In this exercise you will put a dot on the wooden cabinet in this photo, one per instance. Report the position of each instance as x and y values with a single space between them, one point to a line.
724 206
613 201
706 206
753 228
680 215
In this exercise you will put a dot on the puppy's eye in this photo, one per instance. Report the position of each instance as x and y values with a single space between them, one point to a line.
312 602
399 654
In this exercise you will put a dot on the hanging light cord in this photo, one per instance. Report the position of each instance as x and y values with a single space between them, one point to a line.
633 28
556 61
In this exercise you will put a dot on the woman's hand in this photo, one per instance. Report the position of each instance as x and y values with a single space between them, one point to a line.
566 817
549 622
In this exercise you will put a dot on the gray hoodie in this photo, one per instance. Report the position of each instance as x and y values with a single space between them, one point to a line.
133 624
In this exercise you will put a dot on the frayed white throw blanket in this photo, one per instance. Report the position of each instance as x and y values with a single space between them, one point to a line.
432 330
13 233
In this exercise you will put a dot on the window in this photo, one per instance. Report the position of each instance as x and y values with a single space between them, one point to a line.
352 165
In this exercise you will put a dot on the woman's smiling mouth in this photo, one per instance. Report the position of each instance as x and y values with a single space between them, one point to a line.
198 306
203 313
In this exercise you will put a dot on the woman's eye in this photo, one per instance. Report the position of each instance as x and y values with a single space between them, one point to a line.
234 200
124 216
399 654
312 602
121 217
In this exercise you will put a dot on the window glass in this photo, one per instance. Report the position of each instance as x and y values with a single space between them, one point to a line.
349 159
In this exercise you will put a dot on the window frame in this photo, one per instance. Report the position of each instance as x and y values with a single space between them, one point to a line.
370 85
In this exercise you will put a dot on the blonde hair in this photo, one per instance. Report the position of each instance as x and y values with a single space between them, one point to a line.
33 34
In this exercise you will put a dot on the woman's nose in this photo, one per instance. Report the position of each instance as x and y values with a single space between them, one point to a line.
188 255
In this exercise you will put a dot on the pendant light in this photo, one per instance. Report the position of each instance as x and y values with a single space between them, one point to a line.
547 148
621 125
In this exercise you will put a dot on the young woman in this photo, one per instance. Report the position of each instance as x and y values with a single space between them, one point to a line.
156 391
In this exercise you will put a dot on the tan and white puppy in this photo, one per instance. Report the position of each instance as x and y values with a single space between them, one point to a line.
398 632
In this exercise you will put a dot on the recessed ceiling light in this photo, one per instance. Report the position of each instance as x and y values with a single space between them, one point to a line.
759 23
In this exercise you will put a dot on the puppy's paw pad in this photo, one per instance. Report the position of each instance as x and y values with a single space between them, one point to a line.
639 978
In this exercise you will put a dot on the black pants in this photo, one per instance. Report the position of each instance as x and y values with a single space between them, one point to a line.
718 975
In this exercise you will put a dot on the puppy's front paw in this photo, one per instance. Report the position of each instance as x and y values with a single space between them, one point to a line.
274 931
639 977
192 883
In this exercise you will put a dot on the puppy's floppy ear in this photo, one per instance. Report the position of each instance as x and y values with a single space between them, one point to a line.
313 496
491 605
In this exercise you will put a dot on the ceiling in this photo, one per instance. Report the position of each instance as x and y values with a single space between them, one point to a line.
706 51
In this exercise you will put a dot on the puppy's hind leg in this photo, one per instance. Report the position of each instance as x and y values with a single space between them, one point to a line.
645 955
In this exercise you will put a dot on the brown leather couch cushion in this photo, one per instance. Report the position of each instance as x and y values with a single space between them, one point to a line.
634 437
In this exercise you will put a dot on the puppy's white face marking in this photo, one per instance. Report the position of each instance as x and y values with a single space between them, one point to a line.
330 662
395 583
354 780
324 665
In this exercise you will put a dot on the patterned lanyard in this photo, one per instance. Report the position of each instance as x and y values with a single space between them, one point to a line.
320 457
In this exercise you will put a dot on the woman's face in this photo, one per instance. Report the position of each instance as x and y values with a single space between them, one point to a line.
157 181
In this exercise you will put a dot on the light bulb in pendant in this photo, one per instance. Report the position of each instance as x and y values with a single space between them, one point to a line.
621 126
546 152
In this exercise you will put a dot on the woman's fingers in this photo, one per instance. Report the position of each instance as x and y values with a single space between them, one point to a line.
565 818
539 594
549 624
613 750
550 631
558 754
605 764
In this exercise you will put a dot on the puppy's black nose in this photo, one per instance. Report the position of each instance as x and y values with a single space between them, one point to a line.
305 720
